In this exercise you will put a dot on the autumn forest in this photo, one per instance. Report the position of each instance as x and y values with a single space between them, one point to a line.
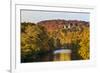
55 40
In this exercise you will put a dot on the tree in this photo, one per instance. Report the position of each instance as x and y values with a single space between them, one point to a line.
34 40
84 50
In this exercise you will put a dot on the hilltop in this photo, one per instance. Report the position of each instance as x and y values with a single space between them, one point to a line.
73 25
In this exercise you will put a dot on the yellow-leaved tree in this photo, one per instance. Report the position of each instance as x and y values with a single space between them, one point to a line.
34 40
84 50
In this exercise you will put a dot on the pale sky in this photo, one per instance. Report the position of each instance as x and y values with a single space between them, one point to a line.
36 16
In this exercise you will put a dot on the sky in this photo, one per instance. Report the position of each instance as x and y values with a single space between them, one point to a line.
36 16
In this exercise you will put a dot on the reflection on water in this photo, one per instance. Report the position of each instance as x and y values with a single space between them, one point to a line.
62 55
55 55
58 55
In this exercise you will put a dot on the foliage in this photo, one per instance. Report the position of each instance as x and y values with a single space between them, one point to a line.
34 39
37 41
84 49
